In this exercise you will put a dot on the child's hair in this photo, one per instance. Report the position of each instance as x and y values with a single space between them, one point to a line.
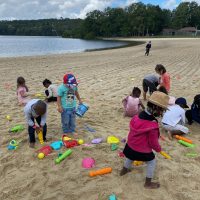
46 81
21 82
160 68
40 107
162 89
136 92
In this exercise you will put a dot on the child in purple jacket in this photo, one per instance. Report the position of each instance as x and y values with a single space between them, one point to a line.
143 137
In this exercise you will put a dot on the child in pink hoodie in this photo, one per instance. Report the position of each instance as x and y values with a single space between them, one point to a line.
143 137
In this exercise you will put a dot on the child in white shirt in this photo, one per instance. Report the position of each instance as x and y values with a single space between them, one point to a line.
51 91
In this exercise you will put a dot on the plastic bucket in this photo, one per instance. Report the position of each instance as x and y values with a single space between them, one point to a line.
81 110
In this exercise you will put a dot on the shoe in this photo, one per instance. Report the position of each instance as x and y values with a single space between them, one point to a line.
32 145
124 171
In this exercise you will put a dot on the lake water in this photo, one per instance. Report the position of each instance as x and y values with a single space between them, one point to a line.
15 46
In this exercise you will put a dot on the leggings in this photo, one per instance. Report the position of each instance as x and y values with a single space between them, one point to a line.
151 165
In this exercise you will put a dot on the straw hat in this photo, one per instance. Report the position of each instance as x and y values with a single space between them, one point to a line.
160 99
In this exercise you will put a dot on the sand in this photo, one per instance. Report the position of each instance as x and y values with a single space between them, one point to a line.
106 77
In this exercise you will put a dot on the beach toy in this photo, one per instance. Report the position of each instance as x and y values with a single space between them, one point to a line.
137 163
165 155
81 110
70 143
41 155
66 138
8 118
100 172
46 150
88 163
114 147
186 143
121 154
112 197
183 138
112 140
80 141
97 140
17 128
40 137
56 145
191 154
63 156
12 145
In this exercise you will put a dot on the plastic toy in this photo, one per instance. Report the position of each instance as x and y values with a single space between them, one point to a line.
46 150
186 143
63 156
81 110
191 154
12 145
112 140
70 143
97 140
17 128
137 163
80 141
100 172
112 197
165 155
114 147
8 118
65 138
56 145
40 137
183 138
41 155
121 154
88 163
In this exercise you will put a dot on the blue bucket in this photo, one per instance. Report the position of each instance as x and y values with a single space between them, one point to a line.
81 110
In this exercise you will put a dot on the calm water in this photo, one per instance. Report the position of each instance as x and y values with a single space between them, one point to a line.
14 46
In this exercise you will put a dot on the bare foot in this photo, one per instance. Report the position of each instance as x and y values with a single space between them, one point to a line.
170 136
152 185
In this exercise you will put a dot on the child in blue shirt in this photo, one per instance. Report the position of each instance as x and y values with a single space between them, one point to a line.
66 101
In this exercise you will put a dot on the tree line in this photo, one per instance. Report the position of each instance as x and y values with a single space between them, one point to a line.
137 19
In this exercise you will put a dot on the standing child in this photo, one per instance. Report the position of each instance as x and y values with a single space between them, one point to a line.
143 137
164 76
66 100
174 118
51 91
22 90
36 109
132 103
150 82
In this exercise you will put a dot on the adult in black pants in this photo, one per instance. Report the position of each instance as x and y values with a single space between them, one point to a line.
148 47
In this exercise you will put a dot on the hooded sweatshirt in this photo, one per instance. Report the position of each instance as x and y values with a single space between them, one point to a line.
143 135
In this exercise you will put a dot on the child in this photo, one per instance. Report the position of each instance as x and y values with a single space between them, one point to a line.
36 109
148 47
150 82
132 103
194 113
67 102
164 76
143 137
174 118
171 99
51 91
22 90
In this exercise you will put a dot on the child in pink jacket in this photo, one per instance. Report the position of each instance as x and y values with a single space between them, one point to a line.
143 137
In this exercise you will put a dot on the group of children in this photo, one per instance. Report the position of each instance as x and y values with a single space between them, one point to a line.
144 128
36 110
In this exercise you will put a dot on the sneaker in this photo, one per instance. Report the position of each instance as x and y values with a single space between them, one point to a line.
124 171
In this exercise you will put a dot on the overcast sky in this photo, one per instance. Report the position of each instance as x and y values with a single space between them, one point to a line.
42 9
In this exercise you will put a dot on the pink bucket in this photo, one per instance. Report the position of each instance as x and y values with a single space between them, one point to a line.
88 163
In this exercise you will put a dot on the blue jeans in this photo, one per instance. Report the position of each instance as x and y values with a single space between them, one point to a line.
68 119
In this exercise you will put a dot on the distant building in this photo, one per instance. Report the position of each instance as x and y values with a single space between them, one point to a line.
186 31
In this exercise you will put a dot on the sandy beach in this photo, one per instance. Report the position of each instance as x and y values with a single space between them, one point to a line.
105 78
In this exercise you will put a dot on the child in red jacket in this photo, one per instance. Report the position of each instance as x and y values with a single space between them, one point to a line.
143 137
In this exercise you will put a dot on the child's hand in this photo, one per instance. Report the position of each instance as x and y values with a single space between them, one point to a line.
60 109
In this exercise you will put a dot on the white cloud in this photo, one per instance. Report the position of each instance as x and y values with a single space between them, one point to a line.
170 4
40 9
128 2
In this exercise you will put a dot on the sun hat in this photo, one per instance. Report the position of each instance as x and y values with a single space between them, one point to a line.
69 79
182 101
160 99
